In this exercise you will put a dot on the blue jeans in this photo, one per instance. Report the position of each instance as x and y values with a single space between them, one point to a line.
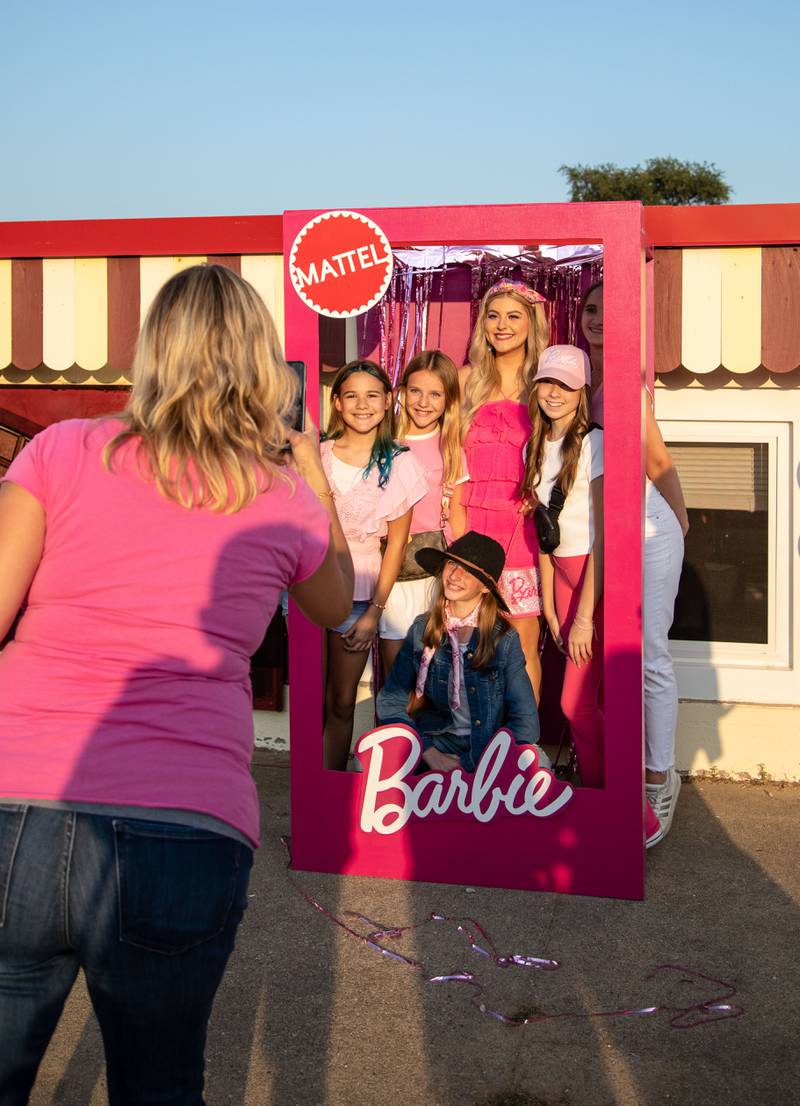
149 910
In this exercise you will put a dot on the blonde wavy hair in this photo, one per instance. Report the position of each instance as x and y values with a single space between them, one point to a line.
438 363
483 377
212 396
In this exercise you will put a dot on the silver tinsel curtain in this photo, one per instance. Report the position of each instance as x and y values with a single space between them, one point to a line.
400 325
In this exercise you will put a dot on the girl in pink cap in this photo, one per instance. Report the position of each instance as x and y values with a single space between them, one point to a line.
565 455
510 333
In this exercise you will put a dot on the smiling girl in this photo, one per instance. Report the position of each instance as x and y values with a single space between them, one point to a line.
566 450
375 483
460 674
429 424
510 333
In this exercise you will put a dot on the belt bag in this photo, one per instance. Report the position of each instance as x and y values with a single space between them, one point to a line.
546 521
546 518
428 539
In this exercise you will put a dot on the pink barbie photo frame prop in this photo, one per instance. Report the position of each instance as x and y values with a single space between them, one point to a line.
510 824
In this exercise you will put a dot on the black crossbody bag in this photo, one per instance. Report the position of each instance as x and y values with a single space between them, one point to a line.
546 518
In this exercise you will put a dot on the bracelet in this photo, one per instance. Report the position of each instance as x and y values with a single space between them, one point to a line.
326 495
380 606
583 621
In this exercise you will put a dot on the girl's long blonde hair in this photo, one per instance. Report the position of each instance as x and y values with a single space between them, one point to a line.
483 377
438 363
571 443
212 395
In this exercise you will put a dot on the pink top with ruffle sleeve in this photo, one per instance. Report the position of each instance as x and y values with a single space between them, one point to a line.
365 509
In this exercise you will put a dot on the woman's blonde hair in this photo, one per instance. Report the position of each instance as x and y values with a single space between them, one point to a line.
212 395
483 377
571 443
438 363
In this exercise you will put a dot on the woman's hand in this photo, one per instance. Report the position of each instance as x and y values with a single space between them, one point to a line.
362 633
440 762
306 458
579 642
528 506
554 626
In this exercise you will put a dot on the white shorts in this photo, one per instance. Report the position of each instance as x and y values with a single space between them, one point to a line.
407 599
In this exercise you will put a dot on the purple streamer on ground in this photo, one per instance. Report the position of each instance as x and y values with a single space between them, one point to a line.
682 1017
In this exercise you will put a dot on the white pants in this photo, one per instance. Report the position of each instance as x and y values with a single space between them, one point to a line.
663 557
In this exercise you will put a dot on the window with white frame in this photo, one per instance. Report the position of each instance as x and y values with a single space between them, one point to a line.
735 629
724 590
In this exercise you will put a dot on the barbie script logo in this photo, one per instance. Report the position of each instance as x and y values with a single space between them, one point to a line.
508 780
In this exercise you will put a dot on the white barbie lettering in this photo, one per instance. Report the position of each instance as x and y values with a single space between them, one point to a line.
479 796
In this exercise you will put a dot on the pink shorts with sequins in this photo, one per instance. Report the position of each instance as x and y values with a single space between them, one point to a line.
522 590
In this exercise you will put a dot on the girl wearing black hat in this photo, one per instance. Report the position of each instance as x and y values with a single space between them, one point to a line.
460 674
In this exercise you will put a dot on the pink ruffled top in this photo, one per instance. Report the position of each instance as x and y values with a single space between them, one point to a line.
494 445
365 510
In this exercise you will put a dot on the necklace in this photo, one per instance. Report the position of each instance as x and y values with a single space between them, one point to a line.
513 398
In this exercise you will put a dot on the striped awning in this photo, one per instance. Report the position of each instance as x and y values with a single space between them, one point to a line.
75 320
731 308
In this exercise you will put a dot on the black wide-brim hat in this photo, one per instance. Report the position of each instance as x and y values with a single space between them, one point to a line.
484 557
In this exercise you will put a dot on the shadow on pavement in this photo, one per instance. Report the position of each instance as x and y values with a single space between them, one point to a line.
307 1015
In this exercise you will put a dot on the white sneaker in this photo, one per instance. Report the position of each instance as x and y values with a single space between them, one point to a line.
664 798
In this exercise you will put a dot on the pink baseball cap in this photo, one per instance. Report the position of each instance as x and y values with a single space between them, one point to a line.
566 364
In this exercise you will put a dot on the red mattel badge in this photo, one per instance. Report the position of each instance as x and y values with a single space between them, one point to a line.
340 264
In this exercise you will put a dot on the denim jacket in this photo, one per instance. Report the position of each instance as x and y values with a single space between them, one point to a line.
499 694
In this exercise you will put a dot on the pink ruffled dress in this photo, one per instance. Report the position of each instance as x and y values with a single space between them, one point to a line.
494 446
365 509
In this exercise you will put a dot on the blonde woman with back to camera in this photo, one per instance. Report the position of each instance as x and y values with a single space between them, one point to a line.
152 548
509 335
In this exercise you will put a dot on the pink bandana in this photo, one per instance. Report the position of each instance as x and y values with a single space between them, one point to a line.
451 627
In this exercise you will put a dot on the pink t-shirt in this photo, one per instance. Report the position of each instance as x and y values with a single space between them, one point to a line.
365 509
127 682
427 450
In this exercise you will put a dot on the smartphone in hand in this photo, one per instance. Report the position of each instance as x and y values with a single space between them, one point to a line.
299 421
299 418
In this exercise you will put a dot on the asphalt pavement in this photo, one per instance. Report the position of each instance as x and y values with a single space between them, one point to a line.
310 1015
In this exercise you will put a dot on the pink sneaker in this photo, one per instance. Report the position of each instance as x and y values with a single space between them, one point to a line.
653 830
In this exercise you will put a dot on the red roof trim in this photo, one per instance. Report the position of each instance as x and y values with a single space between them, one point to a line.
143 237
723 225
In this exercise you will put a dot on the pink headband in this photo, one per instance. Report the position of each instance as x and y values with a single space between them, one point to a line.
502 287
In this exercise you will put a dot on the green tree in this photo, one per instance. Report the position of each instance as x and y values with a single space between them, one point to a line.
661 180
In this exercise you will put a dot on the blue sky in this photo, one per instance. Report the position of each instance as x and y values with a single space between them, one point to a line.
243 108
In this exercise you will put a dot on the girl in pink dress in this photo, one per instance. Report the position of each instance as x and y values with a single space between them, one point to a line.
510 333
375 483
